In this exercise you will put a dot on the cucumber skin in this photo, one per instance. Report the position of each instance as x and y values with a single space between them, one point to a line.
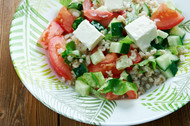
82 88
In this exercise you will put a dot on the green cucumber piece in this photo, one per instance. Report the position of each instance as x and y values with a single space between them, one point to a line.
82 88
117 29
77 22
146 9
113 21
162 34
163 61
175 41
97 57
125 76
80 70
177 31
97 25
76 5
171 71
121 48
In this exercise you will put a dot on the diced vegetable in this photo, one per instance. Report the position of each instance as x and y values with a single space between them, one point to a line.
97 57
123 62
157 46
146 9
80 70
117 29
97 25
171 71
162 34
177 31
125 76
113 21
166 18
82 88
175 41
77 22
166 60
76 5
117 47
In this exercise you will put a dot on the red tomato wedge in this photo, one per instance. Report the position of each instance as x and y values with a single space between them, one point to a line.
97 15
108 64
132 95
53 30
166 18
87 4
65 19
111 96
138 58
60 67
108 20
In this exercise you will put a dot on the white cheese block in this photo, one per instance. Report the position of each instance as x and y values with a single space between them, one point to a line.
114 5
142 31
88 34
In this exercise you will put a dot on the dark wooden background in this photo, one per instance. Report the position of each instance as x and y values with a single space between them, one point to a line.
19 108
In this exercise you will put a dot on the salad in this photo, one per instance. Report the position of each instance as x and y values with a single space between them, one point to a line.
115 49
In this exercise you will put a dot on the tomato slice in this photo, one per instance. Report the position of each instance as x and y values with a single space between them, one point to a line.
108 20
60 67
110 58
97 15
108 64
132 95
87 4
53 30
166 18
65 19
138 58
111 96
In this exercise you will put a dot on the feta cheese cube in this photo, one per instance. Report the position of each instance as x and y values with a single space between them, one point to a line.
88 34
114 5
142 31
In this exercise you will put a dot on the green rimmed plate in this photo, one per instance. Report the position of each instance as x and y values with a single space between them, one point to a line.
34 69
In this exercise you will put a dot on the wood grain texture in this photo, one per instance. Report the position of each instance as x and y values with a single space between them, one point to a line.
19 108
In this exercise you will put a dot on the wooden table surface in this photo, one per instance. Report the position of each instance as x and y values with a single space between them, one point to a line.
19 108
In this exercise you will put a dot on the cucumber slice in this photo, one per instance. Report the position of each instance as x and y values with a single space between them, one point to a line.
164 61
97 57
117 47
76 5
77 22
174 58
82 88
76 53
117 29
125 76
157 46
177 31
162 34
175 41
80 70
146 9
113 21
97 25
171 71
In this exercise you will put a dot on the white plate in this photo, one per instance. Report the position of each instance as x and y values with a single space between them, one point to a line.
34 69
